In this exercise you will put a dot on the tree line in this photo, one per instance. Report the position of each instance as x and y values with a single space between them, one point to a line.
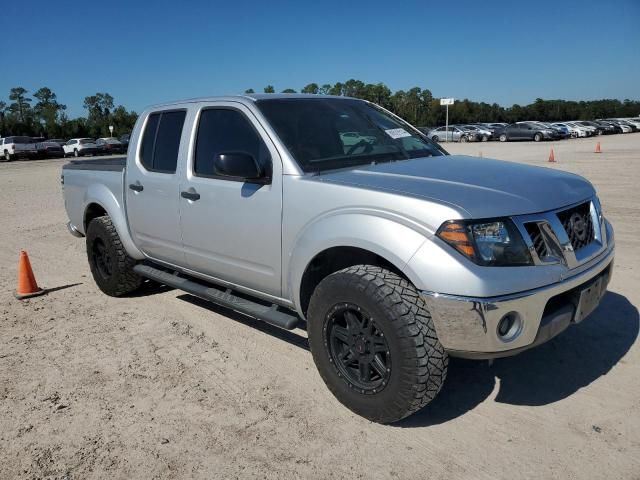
44 116
419 107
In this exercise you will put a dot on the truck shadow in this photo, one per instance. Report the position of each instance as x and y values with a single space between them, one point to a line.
543 375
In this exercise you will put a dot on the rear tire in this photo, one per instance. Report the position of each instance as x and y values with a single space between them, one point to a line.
75 152
503 138
111 267
374 343
7 157
435 138
464 139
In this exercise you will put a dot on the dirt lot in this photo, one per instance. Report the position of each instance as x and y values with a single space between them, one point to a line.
162 385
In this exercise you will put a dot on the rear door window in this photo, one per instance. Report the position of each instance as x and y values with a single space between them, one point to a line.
161 141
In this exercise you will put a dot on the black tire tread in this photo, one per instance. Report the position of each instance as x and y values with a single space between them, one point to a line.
425 361
127 280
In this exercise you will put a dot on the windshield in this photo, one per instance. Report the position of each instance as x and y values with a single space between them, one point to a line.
324 134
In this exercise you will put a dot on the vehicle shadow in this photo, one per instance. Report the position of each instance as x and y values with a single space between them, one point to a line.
289 336
543 375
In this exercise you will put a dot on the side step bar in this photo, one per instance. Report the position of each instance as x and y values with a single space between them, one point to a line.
226 298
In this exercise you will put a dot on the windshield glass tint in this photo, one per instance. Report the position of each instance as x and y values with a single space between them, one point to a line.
324 134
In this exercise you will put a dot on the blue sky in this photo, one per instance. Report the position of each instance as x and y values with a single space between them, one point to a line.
149 52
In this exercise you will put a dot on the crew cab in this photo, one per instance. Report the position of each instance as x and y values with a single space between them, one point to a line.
17 147
395 254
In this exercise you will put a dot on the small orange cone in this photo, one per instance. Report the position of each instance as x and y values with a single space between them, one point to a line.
27 286
598 148
552 157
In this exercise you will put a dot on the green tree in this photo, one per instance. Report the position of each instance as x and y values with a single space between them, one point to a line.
99 107
269 89
288 90
47 109
249 91
310 88
325 89
21 105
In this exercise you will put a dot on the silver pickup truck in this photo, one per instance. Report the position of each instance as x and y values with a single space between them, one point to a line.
393 253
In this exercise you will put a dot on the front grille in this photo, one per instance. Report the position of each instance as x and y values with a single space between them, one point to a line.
540 246
578 225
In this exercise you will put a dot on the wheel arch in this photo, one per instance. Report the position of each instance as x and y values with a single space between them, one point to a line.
321 251
99 201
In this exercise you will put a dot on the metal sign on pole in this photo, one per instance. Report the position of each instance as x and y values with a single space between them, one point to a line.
446 102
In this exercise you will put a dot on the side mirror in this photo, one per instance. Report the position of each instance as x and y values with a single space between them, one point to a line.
238 165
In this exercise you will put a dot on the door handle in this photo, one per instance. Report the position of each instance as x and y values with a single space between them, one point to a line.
193 196
136 187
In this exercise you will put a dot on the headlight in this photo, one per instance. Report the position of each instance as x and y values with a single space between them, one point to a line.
489 243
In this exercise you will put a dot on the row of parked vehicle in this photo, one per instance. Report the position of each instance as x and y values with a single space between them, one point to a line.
16 147
532 130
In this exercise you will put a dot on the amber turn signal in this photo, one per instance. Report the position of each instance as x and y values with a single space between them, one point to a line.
457 235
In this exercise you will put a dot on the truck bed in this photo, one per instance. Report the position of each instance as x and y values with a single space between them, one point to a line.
106 164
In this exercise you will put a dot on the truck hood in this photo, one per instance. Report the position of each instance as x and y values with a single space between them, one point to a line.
481 187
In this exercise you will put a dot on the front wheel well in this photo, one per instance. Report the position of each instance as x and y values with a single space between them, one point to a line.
92 211
332 260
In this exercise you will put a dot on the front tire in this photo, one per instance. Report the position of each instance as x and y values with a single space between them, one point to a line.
7 156
503 138
76 153
537 137
111 267
374 343
464 139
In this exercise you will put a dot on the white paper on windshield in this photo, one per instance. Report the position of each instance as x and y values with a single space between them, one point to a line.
397 133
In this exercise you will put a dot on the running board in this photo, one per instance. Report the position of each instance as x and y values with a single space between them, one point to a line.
226 298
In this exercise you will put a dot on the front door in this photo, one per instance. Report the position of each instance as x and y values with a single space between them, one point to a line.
231 228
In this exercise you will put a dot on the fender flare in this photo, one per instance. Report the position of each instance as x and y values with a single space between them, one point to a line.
387 235
101 195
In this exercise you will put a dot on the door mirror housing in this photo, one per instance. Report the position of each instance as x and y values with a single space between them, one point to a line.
238 165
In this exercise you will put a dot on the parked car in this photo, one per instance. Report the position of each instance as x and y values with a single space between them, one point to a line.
525 131
602 128
574 130
559 133
623 123
124 139
633 121
17 147
393 267
59 141
619 128
484 134
47 148
452 134
79 147
109 146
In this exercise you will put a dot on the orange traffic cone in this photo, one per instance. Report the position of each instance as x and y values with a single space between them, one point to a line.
598 148
552 157
27 286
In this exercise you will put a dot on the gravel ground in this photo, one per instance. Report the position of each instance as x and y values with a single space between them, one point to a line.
162 385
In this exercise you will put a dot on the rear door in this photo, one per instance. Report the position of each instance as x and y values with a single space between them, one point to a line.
232 229
152 187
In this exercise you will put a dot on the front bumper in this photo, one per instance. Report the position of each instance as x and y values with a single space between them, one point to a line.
468 327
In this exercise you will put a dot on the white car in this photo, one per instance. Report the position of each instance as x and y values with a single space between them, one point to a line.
574 130
79 147
591 130
17 147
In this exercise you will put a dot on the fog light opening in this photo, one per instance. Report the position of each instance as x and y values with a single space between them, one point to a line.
509 327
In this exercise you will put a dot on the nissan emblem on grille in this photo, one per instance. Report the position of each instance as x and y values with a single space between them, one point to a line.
578 226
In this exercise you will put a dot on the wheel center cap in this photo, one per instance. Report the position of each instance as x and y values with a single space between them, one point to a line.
360 345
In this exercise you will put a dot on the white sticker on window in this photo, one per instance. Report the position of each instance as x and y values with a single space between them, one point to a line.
397 133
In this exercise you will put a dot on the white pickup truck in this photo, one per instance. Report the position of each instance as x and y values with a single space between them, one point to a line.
336 212
17 147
